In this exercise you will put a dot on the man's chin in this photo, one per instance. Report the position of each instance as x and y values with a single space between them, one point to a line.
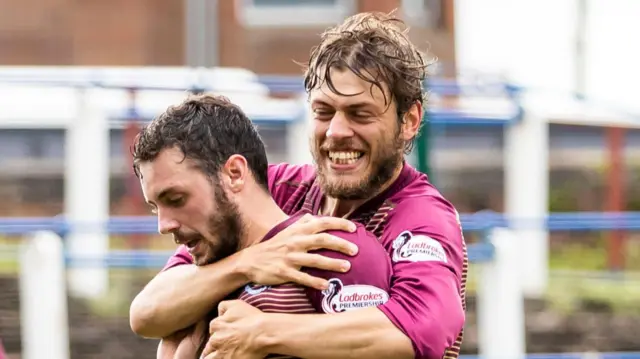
345 190
204 260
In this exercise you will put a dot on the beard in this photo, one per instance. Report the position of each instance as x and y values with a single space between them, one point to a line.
226 226
386 159
225 230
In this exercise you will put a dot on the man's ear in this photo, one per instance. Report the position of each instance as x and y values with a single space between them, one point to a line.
235 173
411 122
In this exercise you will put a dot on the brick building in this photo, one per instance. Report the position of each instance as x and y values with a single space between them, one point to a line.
262 35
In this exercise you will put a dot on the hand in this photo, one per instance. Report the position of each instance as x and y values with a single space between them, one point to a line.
279 259
183 344
233 332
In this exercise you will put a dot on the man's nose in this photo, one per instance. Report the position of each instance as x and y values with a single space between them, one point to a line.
166 224
339 127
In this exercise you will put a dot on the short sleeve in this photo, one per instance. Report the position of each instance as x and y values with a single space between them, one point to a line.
367 282
180 257
428 255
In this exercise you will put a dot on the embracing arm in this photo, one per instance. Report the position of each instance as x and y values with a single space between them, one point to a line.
423 316
428 329
179 296
352 333
184 293
365 333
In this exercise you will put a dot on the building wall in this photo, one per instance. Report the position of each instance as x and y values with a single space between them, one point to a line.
152 32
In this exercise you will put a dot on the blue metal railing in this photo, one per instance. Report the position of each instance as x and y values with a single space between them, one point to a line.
478 252
569 221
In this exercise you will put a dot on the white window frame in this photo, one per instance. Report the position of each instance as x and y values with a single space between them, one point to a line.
294 15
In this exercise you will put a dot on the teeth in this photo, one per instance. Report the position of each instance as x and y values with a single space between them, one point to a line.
344 157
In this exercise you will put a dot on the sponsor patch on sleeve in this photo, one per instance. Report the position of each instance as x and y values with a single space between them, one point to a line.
341 298
408 247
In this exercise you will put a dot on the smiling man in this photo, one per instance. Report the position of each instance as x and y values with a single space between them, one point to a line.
211 194
365 90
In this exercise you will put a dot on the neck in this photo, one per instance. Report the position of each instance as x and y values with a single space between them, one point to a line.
260 214
335 207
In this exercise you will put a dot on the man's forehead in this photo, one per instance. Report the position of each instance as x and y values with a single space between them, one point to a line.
168 170
348 90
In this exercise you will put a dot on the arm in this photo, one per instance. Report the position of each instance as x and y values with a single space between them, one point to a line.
429 264
364 333
181 295
184 344
428 310
355 333
423 316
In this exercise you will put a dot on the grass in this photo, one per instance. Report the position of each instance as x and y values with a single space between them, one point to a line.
568 290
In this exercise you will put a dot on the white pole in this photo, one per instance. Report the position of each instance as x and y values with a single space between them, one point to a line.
526 152
298 134
501 326
87 194
43 298
581 47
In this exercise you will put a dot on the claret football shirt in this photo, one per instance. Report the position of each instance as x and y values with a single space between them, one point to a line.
422 236
366 284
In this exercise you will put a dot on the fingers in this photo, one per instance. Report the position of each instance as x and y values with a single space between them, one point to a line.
299 225
222 307
209 349
318 261
310 225
307 280
322 224
327 241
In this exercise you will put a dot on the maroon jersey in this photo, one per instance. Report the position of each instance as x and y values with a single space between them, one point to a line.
366 284
421 233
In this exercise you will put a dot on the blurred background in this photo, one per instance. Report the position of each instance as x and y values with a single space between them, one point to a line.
572 62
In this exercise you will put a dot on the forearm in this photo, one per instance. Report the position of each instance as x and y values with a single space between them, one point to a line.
180 296
364 333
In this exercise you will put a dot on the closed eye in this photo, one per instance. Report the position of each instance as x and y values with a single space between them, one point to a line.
323 113
174 202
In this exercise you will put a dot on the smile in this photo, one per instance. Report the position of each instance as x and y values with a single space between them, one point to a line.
345 157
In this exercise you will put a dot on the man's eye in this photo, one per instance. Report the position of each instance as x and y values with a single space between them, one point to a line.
322 112
175 202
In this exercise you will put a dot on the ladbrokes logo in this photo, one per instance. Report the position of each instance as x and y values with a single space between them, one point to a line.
254 289
418 248
341 298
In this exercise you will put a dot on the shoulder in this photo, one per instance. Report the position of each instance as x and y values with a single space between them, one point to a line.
289 184
368 245
371 261
420 204
421 214
367 282
180 257
284 173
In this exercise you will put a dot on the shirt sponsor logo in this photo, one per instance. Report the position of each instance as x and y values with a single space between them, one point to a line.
417 248
341 298
253 289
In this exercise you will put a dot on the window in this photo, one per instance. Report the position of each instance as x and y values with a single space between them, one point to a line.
282 13
424 13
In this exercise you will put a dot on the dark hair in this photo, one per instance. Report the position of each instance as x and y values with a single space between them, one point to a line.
371 44
208 129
